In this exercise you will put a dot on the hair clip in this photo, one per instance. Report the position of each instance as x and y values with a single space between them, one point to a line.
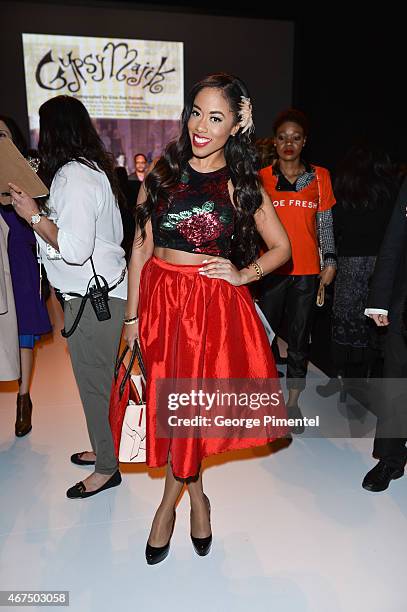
245 113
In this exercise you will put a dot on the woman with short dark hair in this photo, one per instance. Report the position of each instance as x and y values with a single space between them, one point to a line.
303 198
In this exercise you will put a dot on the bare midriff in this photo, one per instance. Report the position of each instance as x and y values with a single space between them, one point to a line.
180 257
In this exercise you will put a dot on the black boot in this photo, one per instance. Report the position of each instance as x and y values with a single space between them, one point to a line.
23 419
333 386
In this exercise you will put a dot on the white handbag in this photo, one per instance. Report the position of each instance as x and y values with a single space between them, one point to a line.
266 324
132 447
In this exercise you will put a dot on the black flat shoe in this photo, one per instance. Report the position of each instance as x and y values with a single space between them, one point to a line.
76 459
156 554
378 479
202 546
79 491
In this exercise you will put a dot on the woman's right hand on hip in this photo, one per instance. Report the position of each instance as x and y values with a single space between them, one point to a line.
130 334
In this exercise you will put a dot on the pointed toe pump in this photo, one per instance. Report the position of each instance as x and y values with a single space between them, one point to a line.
202 546
156 554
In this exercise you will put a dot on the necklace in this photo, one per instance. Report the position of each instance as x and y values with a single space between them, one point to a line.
294 175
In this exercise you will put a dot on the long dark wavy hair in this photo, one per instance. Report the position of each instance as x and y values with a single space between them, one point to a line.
68 134
16 134
241 159
365 178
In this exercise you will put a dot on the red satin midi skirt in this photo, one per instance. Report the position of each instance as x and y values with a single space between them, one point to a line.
192 326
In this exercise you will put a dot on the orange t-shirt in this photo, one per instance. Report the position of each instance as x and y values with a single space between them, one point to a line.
297 212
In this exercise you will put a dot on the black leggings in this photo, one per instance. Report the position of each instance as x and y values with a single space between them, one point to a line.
293 297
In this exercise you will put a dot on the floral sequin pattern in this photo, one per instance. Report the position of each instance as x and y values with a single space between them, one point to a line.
199 225
198 217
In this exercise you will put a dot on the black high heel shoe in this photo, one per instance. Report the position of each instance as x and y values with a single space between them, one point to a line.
156 554
202 546
294 412
331 387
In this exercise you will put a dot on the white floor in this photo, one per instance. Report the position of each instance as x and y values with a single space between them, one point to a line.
293 530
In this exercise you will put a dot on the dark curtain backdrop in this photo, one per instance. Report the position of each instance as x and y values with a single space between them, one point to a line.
348 72
260 51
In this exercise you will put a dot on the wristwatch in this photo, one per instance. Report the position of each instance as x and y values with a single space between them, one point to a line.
35 219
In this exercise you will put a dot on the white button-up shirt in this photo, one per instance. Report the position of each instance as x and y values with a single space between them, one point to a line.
83 207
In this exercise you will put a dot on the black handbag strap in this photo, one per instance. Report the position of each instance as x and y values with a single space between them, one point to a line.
136 352
140 360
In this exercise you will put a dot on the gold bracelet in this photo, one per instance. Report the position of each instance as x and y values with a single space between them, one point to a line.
258 269
261 269
131 321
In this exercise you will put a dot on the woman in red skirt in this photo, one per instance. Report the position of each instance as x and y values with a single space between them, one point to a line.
199 215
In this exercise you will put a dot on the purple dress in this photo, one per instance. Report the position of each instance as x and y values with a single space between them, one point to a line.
32 314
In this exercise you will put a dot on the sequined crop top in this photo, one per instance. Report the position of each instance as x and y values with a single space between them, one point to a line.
199 215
